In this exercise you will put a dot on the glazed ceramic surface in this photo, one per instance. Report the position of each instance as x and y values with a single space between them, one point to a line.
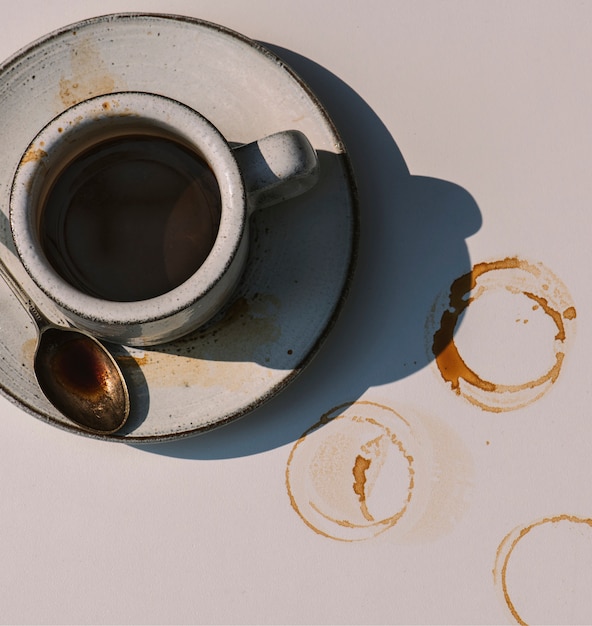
301 254
178 311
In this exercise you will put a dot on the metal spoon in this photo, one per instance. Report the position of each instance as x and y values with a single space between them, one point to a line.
75 371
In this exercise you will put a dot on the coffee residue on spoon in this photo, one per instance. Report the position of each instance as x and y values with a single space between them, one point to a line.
81 380
79 367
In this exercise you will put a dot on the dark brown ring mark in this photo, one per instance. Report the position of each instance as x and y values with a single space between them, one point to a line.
448 359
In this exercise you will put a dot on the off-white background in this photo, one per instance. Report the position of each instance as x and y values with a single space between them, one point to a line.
489 107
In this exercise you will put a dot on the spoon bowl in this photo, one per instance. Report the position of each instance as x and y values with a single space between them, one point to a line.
81 379
77 374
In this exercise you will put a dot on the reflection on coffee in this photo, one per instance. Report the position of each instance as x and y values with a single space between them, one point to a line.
131 218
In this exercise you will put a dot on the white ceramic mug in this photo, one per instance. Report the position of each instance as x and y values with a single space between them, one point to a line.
130 211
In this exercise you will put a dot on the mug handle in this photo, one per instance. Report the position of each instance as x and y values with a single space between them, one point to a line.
277 167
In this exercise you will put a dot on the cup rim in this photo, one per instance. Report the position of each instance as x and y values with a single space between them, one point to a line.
182 122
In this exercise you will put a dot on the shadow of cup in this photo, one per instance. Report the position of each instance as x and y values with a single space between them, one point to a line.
413 232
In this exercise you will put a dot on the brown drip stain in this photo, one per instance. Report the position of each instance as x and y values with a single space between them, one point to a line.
569 313
237 310
28 350
359 472
509 543
33 154
454 369
551 312
88 77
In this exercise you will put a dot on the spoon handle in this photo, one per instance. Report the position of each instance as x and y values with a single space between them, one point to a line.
36 315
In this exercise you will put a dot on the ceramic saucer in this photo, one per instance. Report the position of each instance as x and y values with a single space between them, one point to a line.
302 252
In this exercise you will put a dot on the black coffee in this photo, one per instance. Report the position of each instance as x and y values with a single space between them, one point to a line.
131 218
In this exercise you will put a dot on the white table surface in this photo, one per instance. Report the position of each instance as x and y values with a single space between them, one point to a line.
469 126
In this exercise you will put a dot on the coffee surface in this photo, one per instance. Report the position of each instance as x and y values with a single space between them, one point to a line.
131 218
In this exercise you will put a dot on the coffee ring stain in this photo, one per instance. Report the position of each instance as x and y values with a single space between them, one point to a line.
344 445
507 549
519 277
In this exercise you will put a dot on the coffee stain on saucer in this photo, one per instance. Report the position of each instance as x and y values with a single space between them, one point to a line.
89 75
542 571
529 292
221 354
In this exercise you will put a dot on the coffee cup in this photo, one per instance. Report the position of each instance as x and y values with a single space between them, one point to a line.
130 211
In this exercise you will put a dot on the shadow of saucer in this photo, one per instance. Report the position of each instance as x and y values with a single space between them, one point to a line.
412 245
